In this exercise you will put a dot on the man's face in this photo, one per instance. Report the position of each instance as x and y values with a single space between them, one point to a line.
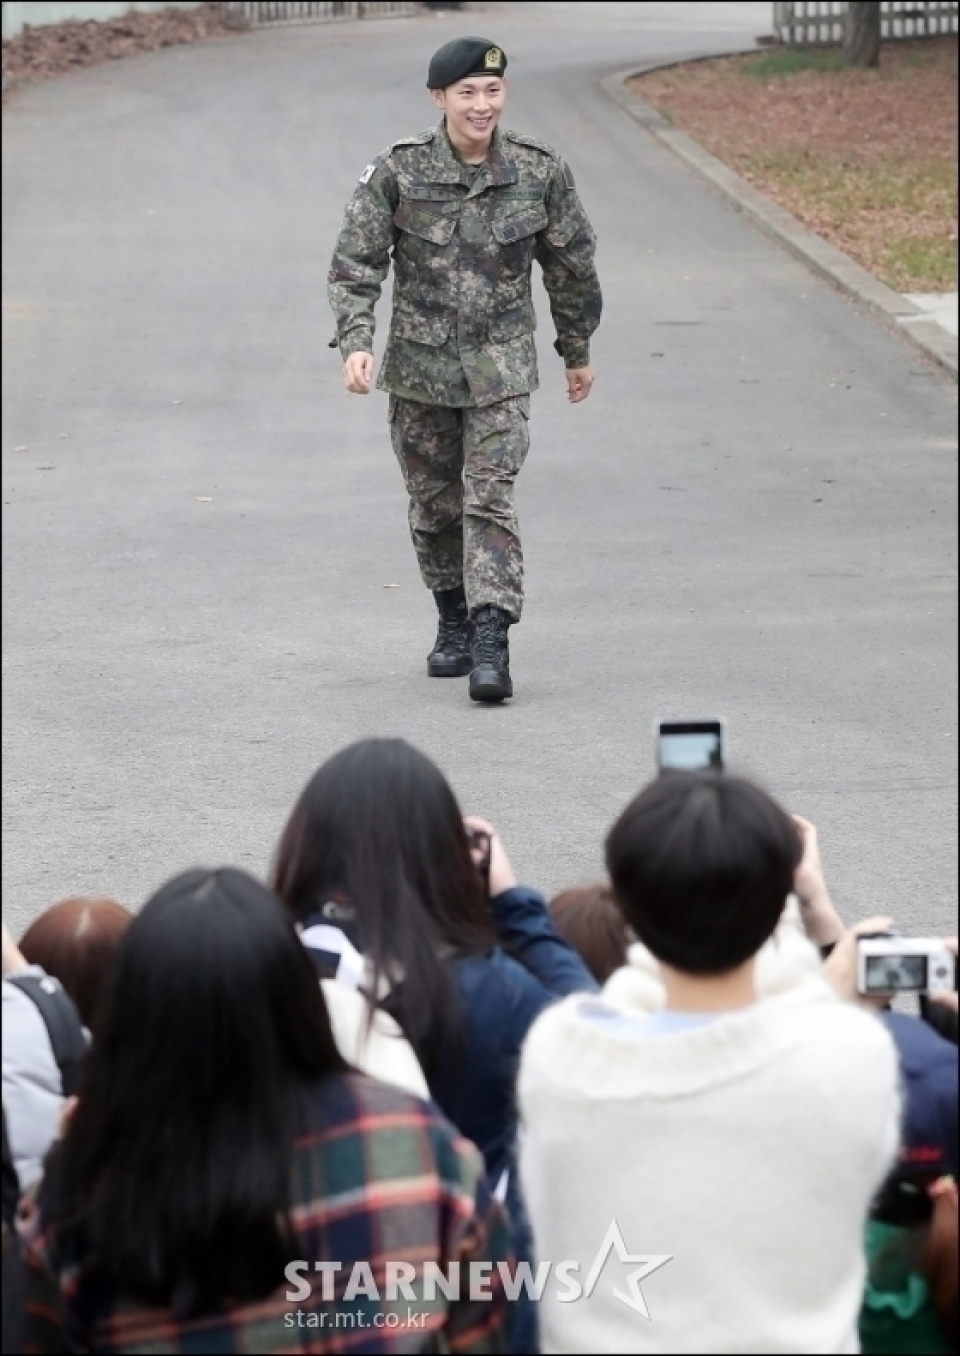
472 107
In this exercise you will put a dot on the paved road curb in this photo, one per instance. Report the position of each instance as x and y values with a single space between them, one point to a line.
895 310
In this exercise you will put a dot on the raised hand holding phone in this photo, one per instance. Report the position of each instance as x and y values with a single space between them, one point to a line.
489 855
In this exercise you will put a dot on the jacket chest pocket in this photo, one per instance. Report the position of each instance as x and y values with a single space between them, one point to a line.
427 220
521 223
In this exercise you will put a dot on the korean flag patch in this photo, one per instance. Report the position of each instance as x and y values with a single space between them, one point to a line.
367 174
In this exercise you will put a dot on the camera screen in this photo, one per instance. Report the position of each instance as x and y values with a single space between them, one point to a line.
891 974
700 749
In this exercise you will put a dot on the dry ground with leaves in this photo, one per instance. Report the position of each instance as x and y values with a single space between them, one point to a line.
866 158
50 49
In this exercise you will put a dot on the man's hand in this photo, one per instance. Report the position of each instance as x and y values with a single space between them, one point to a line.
579 382
821 921
840 967
949 1000
358 373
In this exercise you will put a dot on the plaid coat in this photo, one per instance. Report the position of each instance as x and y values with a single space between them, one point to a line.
380 1178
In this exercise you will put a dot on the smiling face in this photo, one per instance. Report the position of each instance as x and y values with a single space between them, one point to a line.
472 108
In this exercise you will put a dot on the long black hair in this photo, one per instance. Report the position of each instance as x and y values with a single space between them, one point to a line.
378 828
173 1176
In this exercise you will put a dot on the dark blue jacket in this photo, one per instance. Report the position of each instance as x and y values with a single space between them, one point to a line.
501 995
928 1070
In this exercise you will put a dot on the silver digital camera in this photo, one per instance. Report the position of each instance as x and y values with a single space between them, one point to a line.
904 965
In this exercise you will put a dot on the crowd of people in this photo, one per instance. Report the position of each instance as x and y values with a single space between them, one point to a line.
373 1104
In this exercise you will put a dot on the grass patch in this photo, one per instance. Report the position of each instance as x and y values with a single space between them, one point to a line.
789 61
848 186
867 158
884 210
918 264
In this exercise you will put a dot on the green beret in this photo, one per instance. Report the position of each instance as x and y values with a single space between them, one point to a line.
462 57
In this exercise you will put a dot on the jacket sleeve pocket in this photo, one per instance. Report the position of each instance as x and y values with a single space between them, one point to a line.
571 238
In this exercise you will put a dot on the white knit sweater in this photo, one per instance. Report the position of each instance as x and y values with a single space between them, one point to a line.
747 1149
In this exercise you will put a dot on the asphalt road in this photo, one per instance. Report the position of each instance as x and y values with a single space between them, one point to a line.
209 584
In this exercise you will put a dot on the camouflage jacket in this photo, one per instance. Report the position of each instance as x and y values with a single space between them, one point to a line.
463 239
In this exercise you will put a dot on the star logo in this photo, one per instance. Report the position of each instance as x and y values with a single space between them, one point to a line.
649 1263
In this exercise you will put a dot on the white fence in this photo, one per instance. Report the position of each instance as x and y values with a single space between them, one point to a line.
807 21
270 12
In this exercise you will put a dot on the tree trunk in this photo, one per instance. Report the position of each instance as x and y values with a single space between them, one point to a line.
861 35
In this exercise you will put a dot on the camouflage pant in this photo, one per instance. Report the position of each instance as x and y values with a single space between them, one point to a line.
459 466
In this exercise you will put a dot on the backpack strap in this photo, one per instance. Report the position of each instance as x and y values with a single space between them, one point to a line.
67 1039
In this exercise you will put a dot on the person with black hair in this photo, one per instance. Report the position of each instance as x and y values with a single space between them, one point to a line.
718 1102
452 946
220 1136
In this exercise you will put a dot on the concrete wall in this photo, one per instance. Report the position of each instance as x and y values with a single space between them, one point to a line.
15 16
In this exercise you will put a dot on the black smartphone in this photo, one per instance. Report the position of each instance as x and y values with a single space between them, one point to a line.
691 745
481 844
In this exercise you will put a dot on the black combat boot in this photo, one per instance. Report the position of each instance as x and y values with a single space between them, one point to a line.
450 656
490 676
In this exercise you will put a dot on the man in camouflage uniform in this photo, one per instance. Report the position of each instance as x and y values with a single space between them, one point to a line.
463 210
